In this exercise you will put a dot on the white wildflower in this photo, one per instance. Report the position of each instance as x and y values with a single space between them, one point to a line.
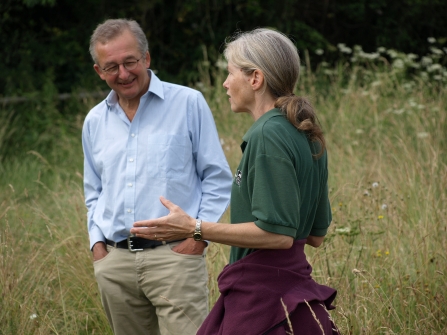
343 230
411 56
343 48
33 316
384 206
370 56
423 75
392 53
426 61
398 64
436 51
375 184
408 85
221 64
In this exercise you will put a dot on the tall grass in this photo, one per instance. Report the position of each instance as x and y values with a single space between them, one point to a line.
385 252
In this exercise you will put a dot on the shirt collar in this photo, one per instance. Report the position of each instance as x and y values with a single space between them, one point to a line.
155 87
263 119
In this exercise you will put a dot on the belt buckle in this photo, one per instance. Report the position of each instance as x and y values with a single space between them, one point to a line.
130 246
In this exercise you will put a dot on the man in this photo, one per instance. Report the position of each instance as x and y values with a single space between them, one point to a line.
148 139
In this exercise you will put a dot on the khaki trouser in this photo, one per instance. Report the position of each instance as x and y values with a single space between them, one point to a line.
153 292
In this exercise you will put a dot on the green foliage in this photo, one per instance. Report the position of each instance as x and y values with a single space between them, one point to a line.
32 3
52 36
46 46
386 132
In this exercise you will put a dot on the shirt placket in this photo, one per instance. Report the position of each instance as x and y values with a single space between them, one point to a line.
131 168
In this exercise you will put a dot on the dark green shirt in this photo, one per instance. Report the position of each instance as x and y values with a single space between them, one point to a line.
279 185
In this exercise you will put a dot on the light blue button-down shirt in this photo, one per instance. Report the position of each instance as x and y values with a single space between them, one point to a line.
171 148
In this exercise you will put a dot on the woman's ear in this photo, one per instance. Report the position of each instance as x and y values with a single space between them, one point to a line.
257 80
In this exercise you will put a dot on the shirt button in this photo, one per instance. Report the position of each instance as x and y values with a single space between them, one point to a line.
131 160
129 211
133 135
130 185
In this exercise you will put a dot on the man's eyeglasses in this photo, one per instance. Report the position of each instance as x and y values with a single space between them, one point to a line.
129 66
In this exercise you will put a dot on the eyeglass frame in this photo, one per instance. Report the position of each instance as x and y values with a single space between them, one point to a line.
106 71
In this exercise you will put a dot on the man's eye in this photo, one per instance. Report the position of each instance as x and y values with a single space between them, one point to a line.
111 68
130 63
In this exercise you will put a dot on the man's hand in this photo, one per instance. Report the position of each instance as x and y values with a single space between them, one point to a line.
190 247
99 251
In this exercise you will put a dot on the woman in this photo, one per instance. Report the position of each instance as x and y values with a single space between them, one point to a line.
279 200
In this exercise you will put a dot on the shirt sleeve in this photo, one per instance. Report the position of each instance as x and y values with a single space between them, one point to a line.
275 196
92 186
211 164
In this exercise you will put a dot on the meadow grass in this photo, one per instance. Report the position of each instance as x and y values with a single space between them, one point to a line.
385 252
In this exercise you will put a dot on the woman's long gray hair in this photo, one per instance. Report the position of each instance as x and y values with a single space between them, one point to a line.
277 58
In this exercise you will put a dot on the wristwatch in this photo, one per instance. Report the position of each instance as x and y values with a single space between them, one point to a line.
197 235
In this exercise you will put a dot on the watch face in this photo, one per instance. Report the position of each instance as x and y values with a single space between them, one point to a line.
197 237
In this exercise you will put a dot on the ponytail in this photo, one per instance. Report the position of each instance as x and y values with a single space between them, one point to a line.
301 114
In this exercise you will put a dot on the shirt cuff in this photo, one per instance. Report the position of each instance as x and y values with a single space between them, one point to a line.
276 228
96 236
318 232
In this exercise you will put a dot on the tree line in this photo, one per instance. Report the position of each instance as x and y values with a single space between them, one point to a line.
46 41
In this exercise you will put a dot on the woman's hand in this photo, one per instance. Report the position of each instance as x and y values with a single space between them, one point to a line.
176 225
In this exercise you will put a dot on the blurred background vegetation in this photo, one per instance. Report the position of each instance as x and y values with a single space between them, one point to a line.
45 45
47 40
376 72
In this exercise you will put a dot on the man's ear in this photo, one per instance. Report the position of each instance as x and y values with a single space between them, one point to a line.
257 80
99 72
148 59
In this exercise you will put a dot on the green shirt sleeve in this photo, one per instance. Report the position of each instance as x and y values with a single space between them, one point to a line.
276 194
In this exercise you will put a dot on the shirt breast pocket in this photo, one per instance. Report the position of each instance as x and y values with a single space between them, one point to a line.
168 156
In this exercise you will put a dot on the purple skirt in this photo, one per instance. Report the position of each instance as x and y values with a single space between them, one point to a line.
265 291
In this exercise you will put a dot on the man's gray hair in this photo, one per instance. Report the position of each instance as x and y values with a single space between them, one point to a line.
113 28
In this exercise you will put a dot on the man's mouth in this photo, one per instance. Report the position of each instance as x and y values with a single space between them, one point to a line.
127 82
